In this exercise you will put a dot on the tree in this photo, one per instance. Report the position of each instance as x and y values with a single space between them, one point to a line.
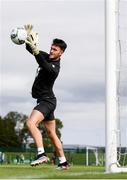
46 140
14 132
9 136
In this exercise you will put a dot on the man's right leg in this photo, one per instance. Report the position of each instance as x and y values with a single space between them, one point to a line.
51 130
33 121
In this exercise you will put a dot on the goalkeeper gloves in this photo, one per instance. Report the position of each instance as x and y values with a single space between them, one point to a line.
32 40
28 28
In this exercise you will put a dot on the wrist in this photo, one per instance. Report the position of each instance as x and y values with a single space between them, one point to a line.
36 52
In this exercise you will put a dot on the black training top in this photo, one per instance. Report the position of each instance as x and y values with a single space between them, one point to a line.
47 73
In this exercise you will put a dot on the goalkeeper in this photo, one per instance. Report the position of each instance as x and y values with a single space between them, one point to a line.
42 90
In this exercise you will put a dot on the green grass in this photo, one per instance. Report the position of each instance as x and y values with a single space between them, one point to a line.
49 172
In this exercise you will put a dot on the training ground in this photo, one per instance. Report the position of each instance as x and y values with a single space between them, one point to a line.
49 172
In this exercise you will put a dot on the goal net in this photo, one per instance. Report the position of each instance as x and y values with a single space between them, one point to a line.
94 156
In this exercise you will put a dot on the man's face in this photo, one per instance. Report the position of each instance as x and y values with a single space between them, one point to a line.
55 52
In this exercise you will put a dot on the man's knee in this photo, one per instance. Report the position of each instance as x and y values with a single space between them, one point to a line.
51 133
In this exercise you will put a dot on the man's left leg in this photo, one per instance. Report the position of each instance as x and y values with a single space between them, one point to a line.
32 123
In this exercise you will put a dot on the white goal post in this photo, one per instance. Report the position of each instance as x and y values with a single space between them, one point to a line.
111 44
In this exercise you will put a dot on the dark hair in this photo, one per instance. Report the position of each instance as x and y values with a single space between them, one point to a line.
60 43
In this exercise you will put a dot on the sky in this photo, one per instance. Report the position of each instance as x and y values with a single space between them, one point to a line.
80 86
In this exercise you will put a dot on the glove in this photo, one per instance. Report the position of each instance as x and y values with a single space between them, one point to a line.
31 41
28 28
30 32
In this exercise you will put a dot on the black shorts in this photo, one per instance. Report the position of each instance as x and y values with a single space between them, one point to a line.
46 107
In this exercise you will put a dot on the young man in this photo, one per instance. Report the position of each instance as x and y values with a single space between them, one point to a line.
42 90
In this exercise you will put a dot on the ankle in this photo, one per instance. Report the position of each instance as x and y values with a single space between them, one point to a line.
40 150
62 159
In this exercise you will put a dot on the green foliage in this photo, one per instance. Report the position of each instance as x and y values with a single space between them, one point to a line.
8 136
14 132
47 141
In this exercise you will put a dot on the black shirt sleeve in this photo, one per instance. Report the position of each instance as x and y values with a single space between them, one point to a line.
51 67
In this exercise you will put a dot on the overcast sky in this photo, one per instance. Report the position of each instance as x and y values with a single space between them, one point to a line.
80 87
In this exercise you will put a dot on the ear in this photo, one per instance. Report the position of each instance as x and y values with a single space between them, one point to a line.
61 52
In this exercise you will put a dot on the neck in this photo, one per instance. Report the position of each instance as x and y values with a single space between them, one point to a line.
55 59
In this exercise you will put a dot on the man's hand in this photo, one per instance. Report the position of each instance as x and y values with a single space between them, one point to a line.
28 28
32 39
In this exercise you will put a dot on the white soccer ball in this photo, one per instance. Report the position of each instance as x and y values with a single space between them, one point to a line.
18 35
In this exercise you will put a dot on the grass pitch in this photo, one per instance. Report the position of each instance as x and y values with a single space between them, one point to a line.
49 172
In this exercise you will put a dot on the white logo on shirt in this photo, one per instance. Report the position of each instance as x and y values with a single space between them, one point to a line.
37 72
53 65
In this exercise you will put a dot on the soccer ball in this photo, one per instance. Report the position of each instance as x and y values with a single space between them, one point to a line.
18 35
